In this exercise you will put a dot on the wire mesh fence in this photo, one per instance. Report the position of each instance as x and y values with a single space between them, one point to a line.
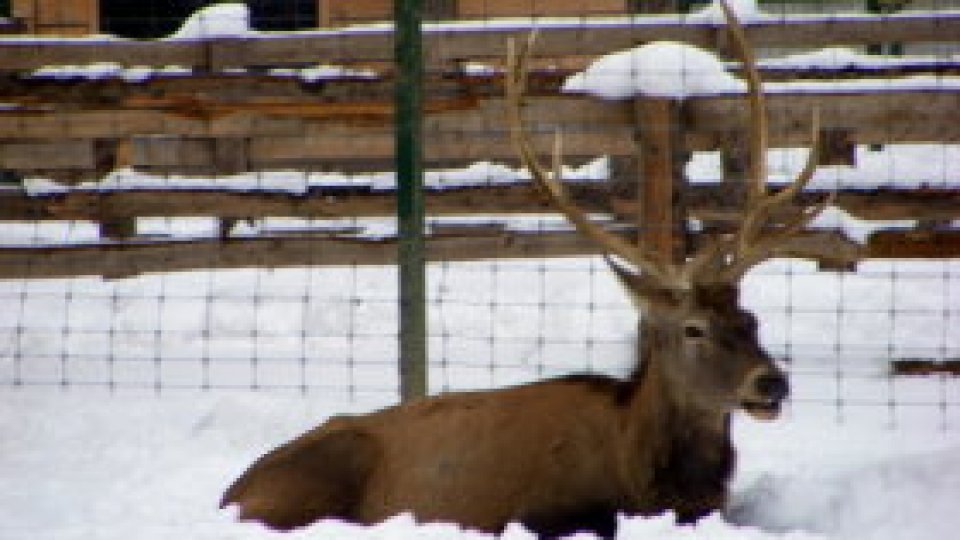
331 329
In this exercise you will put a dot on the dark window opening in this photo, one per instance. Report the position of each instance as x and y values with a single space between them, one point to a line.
159 18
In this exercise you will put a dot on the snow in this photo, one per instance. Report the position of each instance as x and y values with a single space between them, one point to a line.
108 433
217 20
95 71
898 166
83 462
680 71
659 69
904 166
845 58
481 173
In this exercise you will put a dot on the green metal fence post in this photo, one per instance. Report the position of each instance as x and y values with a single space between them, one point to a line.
410 207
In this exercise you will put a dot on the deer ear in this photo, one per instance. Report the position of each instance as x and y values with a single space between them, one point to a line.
645 292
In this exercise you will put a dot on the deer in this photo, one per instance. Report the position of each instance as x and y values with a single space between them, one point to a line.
569 454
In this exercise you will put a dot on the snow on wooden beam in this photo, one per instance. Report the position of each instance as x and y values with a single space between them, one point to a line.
704 202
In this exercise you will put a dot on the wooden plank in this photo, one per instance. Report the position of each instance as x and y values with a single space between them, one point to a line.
119 260
265 153
122 123
67 154
914 244
884 117
880 117
346 12
917 367
485 9
25 54
318 203
444 45
131 259
237 88
58 17
231 155
221 87
462 115
892 205
719 203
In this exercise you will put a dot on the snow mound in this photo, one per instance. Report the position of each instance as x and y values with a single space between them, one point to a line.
218 20
660 69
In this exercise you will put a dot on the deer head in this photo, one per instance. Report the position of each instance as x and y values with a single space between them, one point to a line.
706 346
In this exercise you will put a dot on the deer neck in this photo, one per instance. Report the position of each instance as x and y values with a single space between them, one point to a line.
660 404
673 449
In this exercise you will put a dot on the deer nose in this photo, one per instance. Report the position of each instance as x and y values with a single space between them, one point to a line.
772 386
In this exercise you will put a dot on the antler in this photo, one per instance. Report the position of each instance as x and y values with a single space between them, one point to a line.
763 228
760 233
551 182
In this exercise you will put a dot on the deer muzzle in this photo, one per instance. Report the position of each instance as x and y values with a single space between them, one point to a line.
764 392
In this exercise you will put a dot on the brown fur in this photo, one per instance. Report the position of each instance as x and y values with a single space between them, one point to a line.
559 456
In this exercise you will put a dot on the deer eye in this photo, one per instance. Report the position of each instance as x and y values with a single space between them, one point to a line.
694 331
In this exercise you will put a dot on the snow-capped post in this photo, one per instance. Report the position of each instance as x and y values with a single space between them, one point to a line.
410 205
658 175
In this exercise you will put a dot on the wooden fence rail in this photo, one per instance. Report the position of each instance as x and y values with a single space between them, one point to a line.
86 144
447 44
128 259
705 202
211 122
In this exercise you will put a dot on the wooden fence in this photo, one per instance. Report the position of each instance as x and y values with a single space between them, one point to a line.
230 113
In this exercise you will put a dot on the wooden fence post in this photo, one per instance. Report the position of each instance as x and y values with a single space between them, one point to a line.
661 219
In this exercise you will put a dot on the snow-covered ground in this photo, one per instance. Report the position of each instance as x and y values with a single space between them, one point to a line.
127 406
858 454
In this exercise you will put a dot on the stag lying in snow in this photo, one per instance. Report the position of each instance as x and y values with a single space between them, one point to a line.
566 454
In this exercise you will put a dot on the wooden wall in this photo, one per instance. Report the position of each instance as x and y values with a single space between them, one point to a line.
345 12
58 17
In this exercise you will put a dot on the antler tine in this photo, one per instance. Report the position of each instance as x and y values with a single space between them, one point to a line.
754 241
758 106
552 185
760 209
